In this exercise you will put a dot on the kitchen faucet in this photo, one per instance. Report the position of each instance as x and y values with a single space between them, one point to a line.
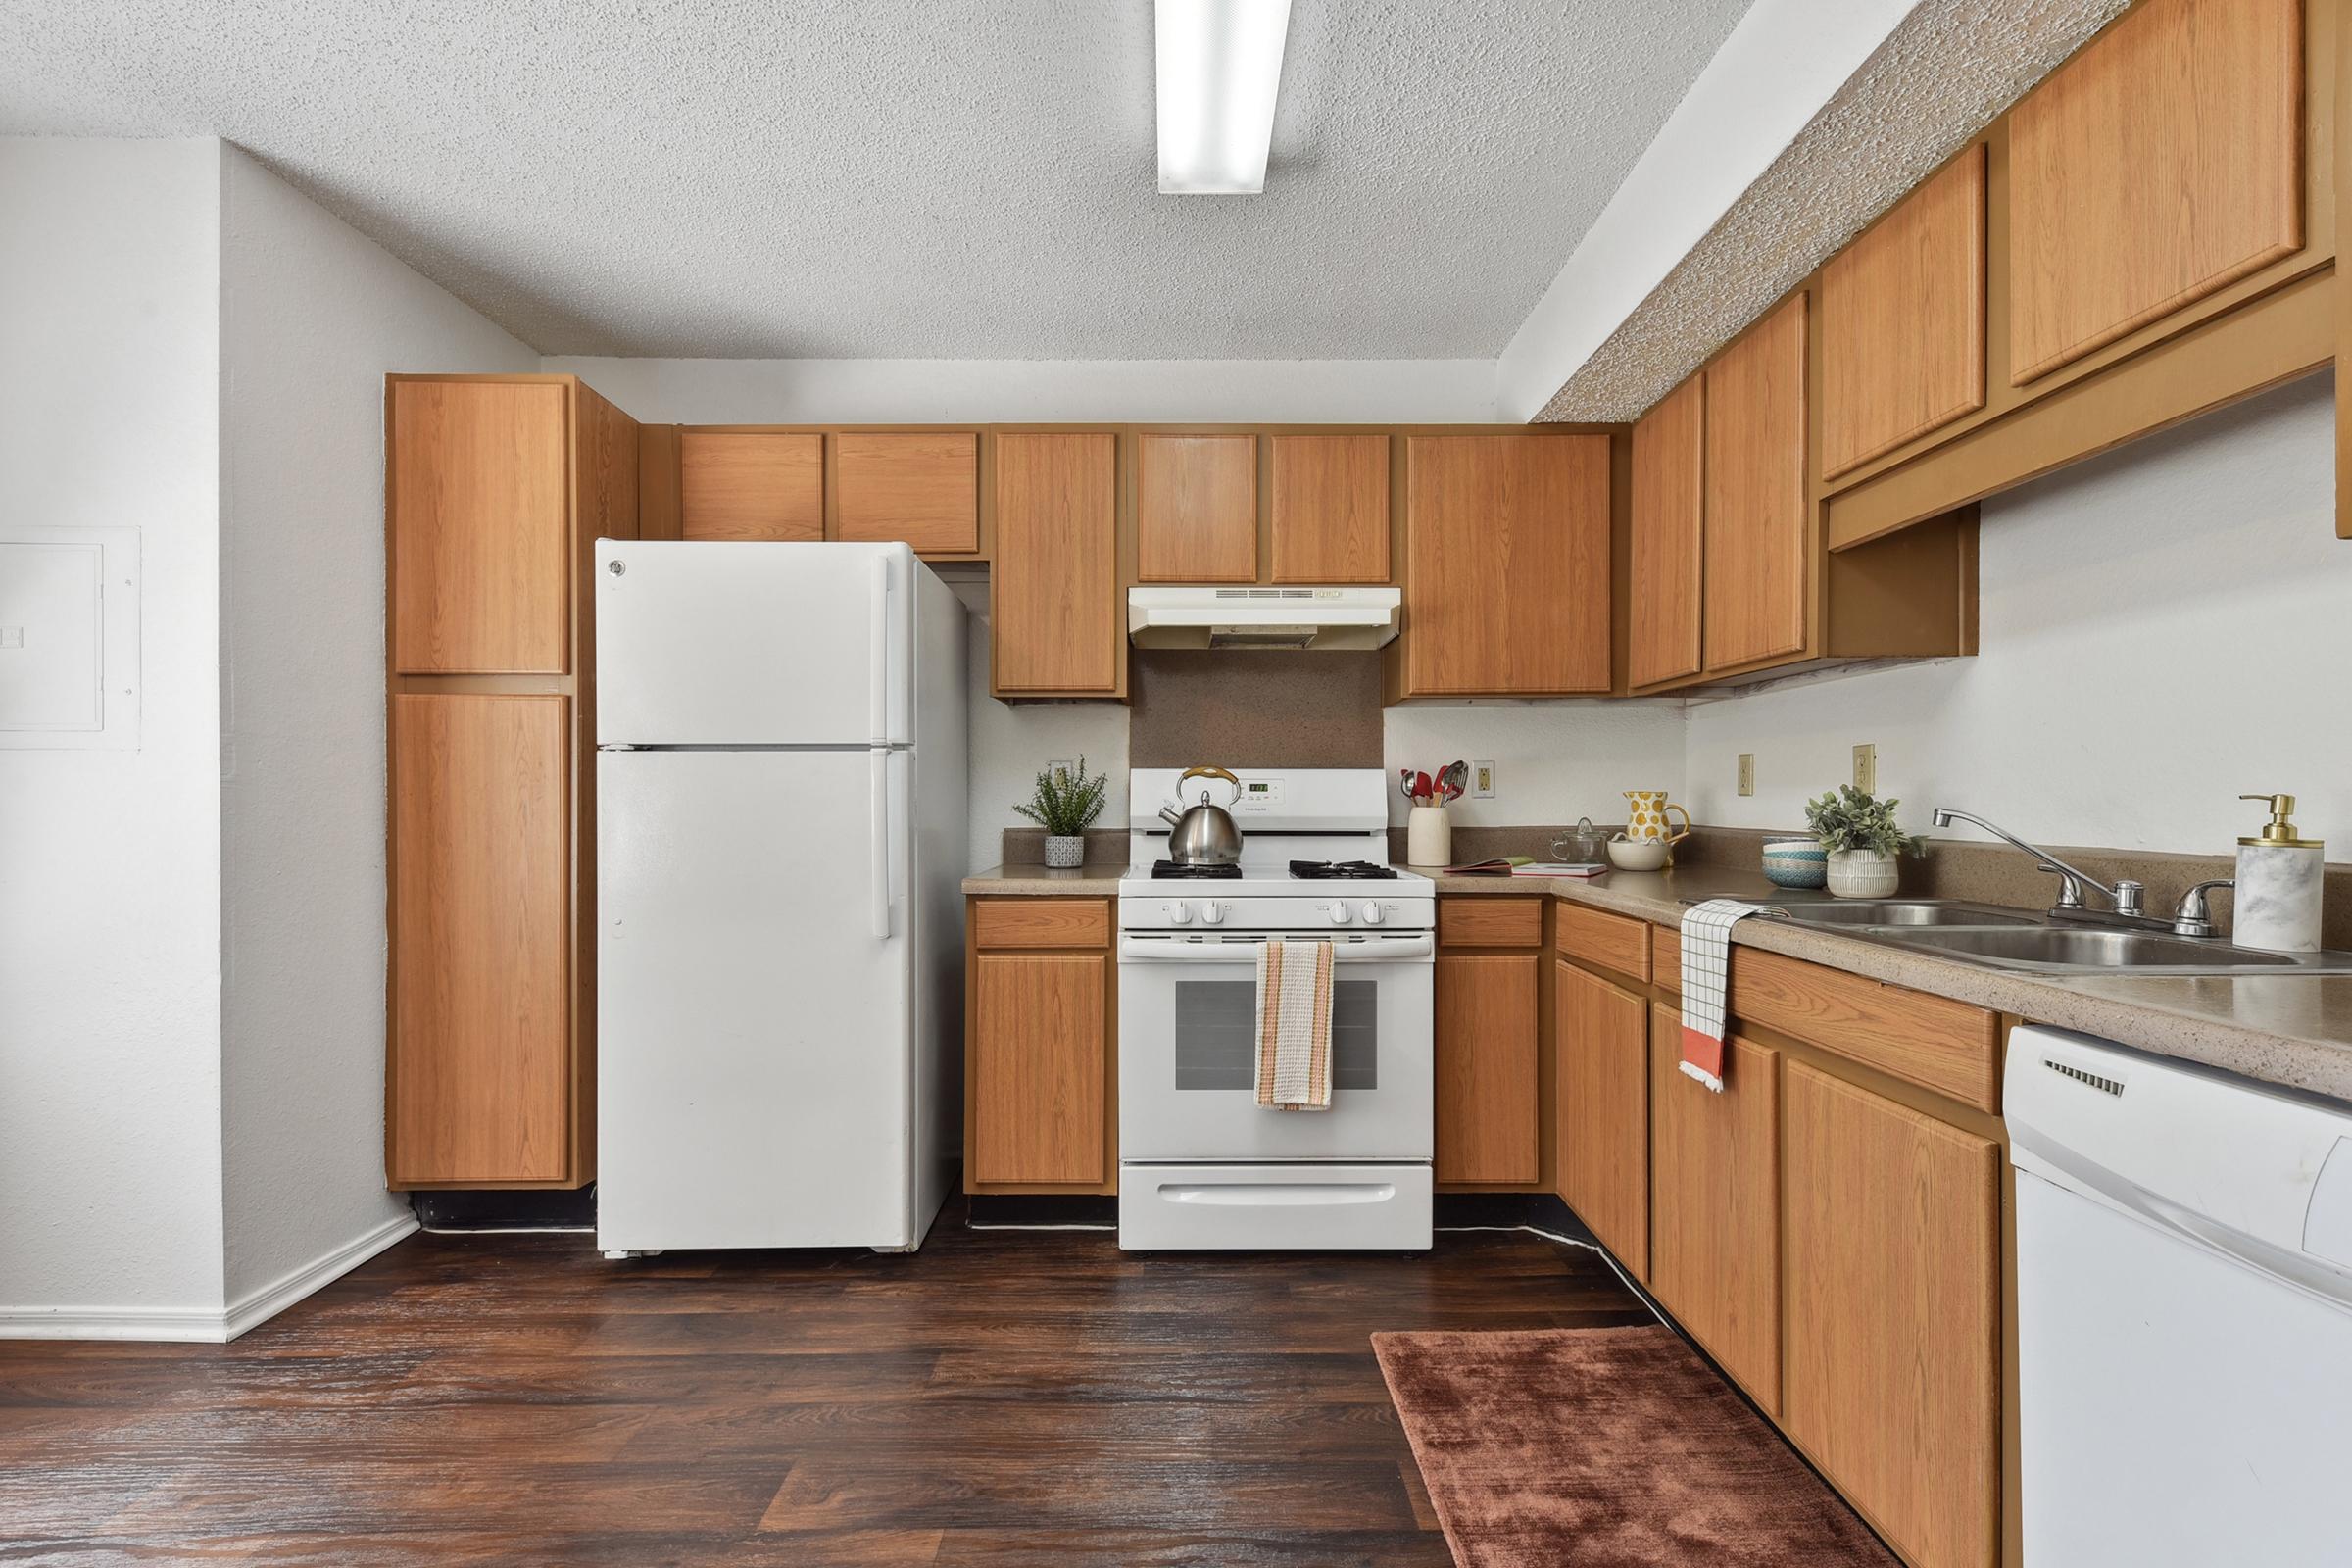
2071 880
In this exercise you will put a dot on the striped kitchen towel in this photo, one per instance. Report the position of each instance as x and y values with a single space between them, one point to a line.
1706 982
1294 1025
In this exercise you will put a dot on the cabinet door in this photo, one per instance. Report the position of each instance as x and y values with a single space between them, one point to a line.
1894 1343
1755 494
751 486
481 979
2160 164
1196 507
1715 1232
1055 576
921 487
1330 508
478 527
1038 1034
1902 320
1603 1115
1486 1079
1508 554
1668 462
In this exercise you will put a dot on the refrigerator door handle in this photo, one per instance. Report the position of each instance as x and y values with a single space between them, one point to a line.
878 766
877 692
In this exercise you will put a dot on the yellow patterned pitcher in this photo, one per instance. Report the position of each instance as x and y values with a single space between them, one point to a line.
1645 817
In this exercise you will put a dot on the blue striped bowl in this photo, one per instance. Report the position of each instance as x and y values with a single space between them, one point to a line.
1796 863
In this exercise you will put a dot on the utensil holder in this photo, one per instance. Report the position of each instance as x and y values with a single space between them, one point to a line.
1429 837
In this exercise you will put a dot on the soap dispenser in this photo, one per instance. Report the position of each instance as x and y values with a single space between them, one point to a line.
2279 875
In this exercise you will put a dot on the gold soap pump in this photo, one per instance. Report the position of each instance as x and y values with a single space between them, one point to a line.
2280 875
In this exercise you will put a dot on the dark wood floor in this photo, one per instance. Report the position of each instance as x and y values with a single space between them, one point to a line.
998 1399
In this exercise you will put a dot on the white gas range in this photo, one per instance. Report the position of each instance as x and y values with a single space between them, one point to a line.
1201 1164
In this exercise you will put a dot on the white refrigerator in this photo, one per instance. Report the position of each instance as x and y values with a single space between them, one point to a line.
780 848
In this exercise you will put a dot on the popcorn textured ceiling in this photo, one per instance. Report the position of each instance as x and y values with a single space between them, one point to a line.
1948 71
905 179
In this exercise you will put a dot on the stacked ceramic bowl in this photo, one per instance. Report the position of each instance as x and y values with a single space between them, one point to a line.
1796 864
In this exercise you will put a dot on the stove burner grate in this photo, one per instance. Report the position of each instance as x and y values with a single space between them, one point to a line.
1170 871
1341 872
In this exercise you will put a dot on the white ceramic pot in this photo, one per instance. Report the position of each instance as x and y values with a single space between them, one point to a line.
1863 873
1429 837
1066 850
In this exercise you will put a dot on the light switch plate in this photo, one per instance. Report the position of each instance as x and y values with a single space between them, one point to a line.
1748 772
1482 781
1866 768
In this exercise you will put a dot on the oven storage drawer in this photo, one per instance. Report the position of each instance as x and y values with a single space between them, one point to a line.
1289 1207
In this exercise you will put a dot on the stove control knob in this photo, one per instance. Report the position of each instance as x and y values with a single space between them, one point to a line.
1371 915
1339 913
1180 912
1212 912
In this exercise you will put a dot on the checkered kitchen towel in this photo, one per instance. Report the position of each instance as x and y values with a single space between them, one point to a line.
1294 1025
1706 982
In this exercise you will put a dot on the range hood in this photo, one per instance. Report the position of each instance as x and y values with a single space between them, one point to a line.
1318 618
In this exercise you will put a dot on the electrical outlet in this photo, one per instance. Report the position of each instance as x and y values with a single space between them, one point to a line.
1482 781
1866 768
1748 772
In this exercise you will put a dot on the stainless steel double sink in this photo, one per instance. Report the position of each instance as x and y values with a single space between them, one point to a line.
2000 938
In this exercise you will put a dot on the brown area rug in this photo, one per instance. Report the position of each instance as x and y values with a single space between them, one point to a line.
1607 1449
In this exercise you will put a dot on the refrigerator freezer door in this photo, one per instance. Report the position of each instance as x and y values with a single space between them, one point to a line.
720 643
754 1070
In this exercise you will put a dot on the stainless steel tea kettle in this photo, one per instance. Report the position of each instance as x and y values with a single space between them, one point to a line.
1205 834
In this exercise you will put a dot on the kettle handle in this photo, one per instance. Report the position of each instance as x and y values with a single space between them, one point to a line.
1209 772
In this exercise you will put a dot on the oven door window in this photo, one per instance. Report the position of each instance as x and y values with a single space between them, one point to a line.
1216 1035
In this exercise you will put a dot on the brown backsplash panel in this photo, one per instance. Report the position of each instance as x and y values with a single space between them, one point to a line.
1203 707
1026 846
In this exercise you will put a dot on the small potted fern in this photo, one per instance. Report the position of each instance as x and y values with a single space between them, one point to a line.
1065 805
1863 840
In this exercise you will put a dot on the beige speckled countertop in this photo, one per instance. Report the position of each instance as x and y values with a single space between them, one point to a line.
2294 1029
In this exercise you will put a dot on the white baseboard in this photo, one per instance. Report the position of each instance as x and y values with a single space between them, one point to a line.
195 1325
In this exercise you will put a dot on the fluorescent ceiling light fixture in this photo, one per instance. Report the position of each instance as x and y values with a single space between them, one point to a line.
1219 65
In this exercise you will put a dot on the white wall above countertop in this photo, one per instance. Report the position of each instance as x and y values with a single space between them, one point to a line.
2163 628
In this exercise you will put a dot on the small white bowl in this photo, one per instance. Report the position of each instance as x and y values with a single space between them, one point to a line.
1638 854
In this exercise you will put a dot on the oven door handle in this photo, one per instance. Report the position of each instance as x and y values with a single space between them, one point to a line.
1243 950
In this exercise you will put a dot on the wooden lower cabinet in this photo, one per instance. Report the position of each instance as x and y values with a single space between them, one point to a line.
1601 1110
1893 1266
1037 1056
1487 1067
480 1074
1715 1243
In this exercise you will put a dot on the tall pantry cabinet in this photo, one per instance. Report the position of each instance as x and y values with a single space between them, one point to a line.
496 489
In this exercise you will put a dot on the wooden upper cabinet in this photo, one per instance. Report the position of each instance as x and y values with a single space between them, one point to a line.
1668 478
1895 1265
1715 1221
1508 564
751 484
480 528
1196 507
480 1050
1902 320
1487 1068
2162 163
1054 577
1330 508
921 487
1039 1109
1755 533
1602 1096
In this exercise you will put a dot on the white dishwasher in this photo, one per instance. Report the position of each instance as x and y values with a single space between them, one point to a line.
2185 1311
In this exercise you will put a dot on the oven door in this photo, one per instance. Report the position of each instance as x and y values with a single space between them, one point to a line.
1188 1051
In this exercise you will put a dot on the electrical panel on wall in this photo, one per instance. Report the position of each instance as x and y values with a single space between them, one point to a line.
68 638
